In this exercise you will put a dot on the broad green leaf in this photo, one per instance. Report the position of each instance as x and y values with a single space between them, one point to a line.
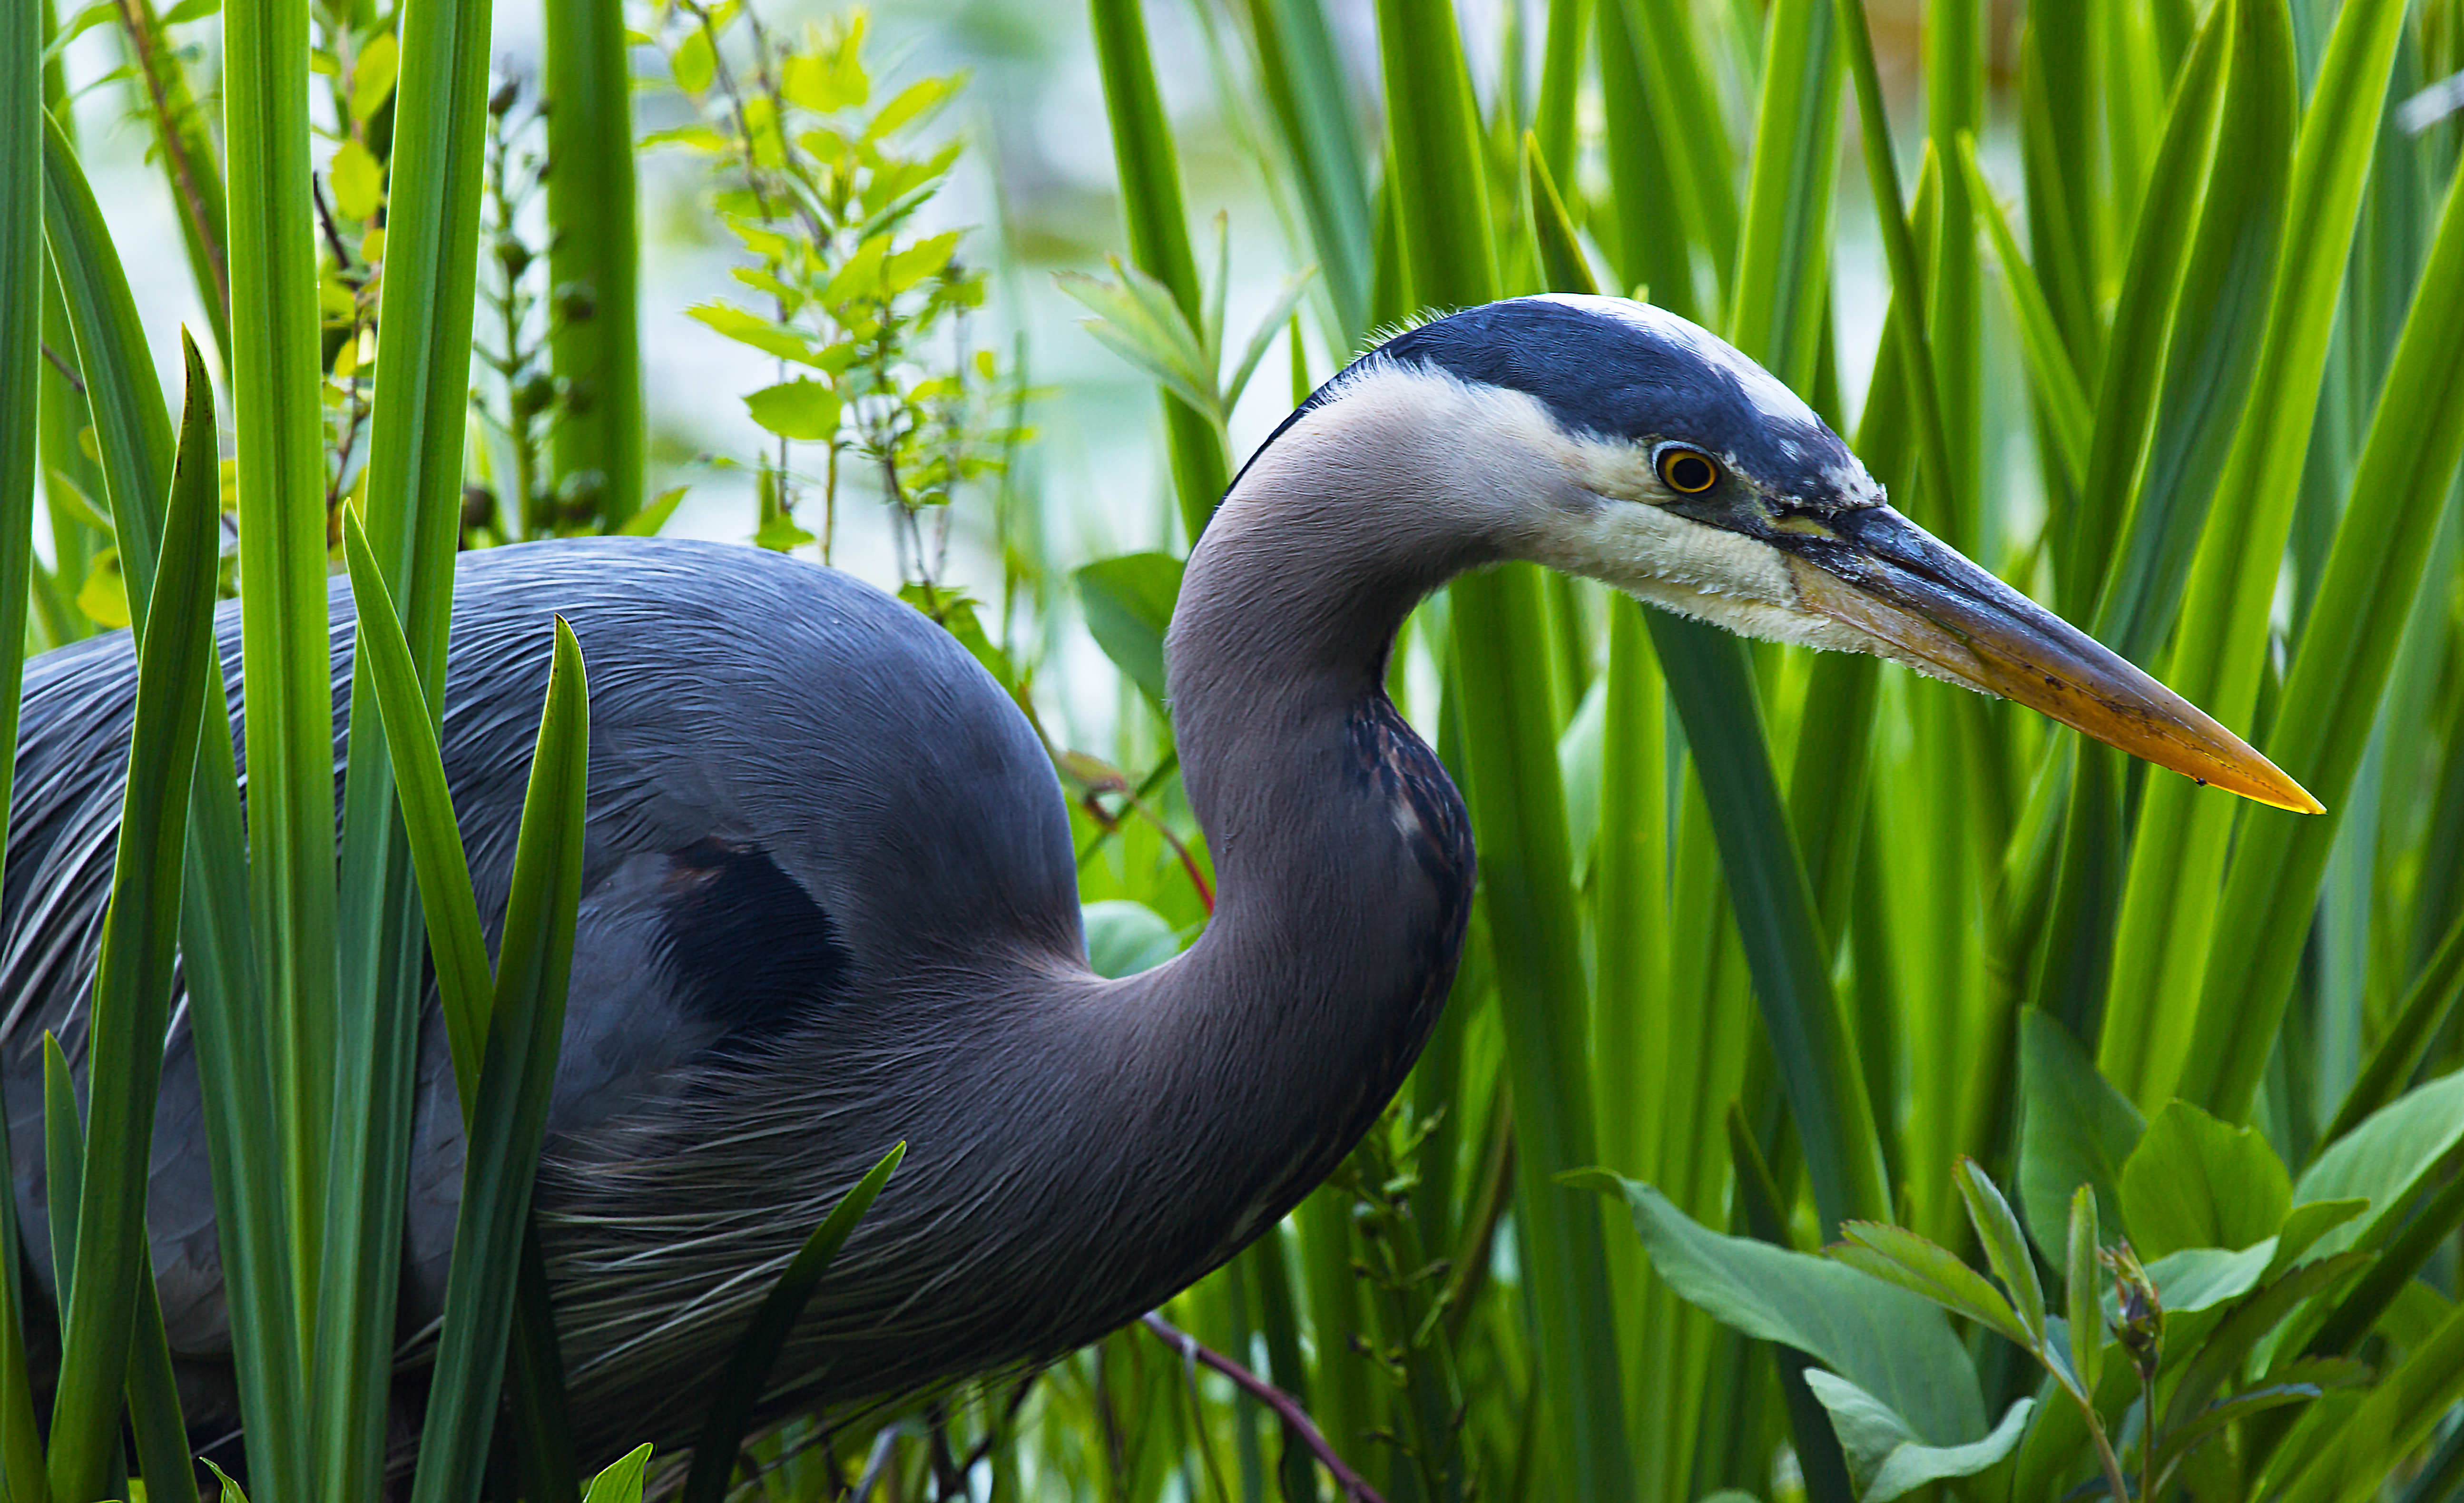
2074 1129
359 180
2200 1278
803 409
1128 602
104 595
1888 1342
695 63
2386 1160
622 1481
2194 1182
1899 1256
372 75
818 84
926 257
2308 1221
1124 937
1884 1455
751 328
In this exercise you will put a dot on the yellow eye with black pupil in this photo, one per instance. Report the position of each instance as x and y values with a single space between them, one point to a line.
1687 470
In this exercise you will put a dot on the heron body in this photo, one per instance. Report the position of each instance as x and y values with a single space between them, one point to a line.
829 899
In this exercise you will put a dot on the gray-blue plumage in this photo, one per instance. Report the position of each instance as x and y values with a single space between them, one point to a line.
830 900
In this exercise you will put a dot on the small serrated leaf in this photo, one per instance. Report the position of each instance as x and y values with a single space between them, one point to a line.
2006 1245
1902 1257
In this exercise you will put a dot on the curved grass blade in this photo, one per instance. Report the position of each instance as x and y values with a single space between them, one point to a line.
132 433
456 944
2339 674
22 139
133 975
2059 394
278 412
1310 100
526 1022
1781 286
413 495
1158 233
2420 1020
2169 918
747 1372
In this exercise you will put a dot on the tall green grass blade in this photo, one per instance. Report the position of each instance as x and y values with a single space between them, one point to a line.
2409 1036
2339 677
185 149
740 1383
594 243
1953 59
413 501
2059 395
1158 233
1644 238
132 434
2057 95
1561 78
2350 1453
1900 250
279 462
526 1022
1779 295
1510 718
1675 74
456 944
2217 322
22 1474
2167 919
133 977
1715 697
63 1165
1309 99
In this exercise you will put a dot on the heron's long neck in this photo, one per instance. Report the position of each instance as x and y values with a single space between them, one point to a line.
1342 853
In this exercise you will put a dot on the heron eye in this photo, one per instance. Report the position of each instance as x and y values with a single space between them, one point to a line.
1687 470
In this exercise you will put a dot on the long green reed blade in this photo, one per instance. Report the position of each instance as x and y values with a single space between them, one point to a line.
2339 674
1561 78
1158 232
2217 322
456 941
2058 395
594 240
185 149
1899 249
132 433
1674 72
740 1382
526 1022
413 506
133 975
63 1164
217 951
1646 243
2057 95
1509 721
21 1441
2169 918
1778 303
1311 103
279 463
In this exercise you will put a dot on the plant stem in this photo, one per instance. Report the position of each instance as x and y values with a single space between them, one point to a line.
1286 1409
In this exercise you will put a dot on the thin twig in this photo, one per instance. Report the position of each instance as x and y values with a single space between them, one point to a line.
1286 1409
69 372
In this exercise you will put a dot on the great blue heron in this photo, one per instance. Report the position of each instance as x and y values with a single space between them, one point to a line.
830 898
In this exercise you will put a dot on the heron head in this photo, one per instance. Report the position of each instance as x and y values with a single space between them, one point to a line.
1694 479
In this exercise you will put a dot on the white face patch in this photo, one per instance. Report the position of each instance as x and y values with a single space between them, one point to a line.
1769 396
